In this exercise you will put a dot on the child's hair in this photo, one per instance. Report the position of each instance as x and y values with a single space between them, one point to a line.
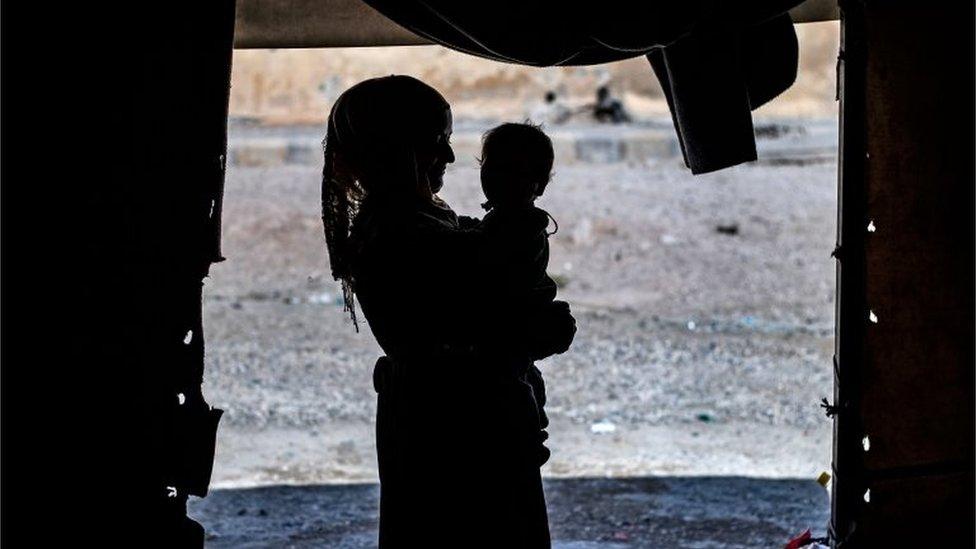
519 154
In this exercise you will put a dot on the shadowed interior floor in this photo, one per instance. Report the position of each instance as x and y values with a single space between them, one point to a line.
669 512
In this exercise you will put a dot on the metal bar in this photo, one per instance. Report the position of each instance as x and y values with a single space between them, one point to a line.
848 485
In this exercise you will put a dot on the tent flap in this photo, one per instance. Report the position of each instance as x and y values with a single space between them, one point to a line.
715 63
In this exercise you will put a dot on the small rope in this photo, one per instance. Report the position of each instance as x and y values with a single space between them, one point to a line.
829 408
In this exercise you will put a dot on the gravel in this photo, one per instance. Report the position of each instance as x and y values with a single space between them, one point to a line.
681 325
586 513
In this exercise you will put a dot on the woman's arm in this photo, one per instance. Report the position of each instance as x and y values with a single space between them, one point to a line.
468 223
474 303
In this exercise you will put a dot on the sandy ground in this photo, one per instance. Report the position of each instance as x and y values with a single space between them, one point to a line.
699 352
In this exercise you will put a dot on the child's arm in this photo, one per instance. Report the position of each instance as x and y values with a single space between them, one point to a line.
514 257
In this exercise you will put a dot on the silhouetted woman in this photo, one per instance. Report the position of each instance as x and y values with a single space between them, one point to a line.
456 433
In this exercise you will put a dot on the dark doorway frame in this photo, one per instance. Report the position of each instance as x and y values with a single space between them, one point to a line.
141 227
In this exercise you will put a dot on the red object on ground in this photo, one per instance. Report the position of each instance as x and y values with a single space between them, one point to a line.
799 541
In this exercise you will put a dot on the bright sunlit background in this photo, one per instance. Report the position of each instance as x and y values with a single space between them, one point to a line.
704 304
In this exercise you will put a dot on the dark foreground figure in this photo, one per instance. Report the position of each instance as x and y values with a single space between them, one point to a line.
449 401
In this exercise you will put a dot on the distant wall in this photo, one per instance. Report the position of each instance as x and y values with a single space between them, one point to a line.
299 86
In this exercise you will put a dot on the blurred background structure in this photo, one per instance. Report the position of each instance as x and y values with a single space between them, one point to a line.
297 86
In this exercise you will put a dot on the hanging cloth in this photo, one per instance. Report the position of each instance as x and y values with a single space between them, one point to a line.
716 61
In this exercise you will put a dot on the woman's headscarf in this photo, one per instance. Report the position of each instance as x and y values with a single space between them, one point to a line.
373 132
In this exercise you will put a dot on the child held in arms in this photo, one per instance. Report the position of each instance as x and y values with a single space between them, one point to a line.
516 165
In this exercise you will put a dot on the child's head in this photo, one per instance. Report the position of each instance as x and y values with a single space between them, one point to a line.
516 164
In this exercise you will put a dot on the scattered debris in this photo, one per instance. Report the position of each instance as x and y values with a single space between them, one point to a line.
730 229
324 298
603 427
259 295
583 232
775 131
801 540
806 539
796 160
823 479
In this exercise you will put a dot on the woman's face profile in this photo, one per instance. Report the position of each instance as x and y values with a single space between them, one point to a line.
435 154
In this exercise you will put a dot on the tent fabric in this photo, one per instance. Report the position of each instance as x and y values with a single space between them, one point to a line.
713 78
716 60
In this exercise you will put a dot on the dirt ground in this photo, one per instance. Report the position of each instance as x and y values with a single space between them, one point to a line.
584 513
705 314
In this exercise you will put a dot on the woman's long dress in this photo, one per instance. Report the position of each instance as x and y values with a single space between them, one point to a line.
457 434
